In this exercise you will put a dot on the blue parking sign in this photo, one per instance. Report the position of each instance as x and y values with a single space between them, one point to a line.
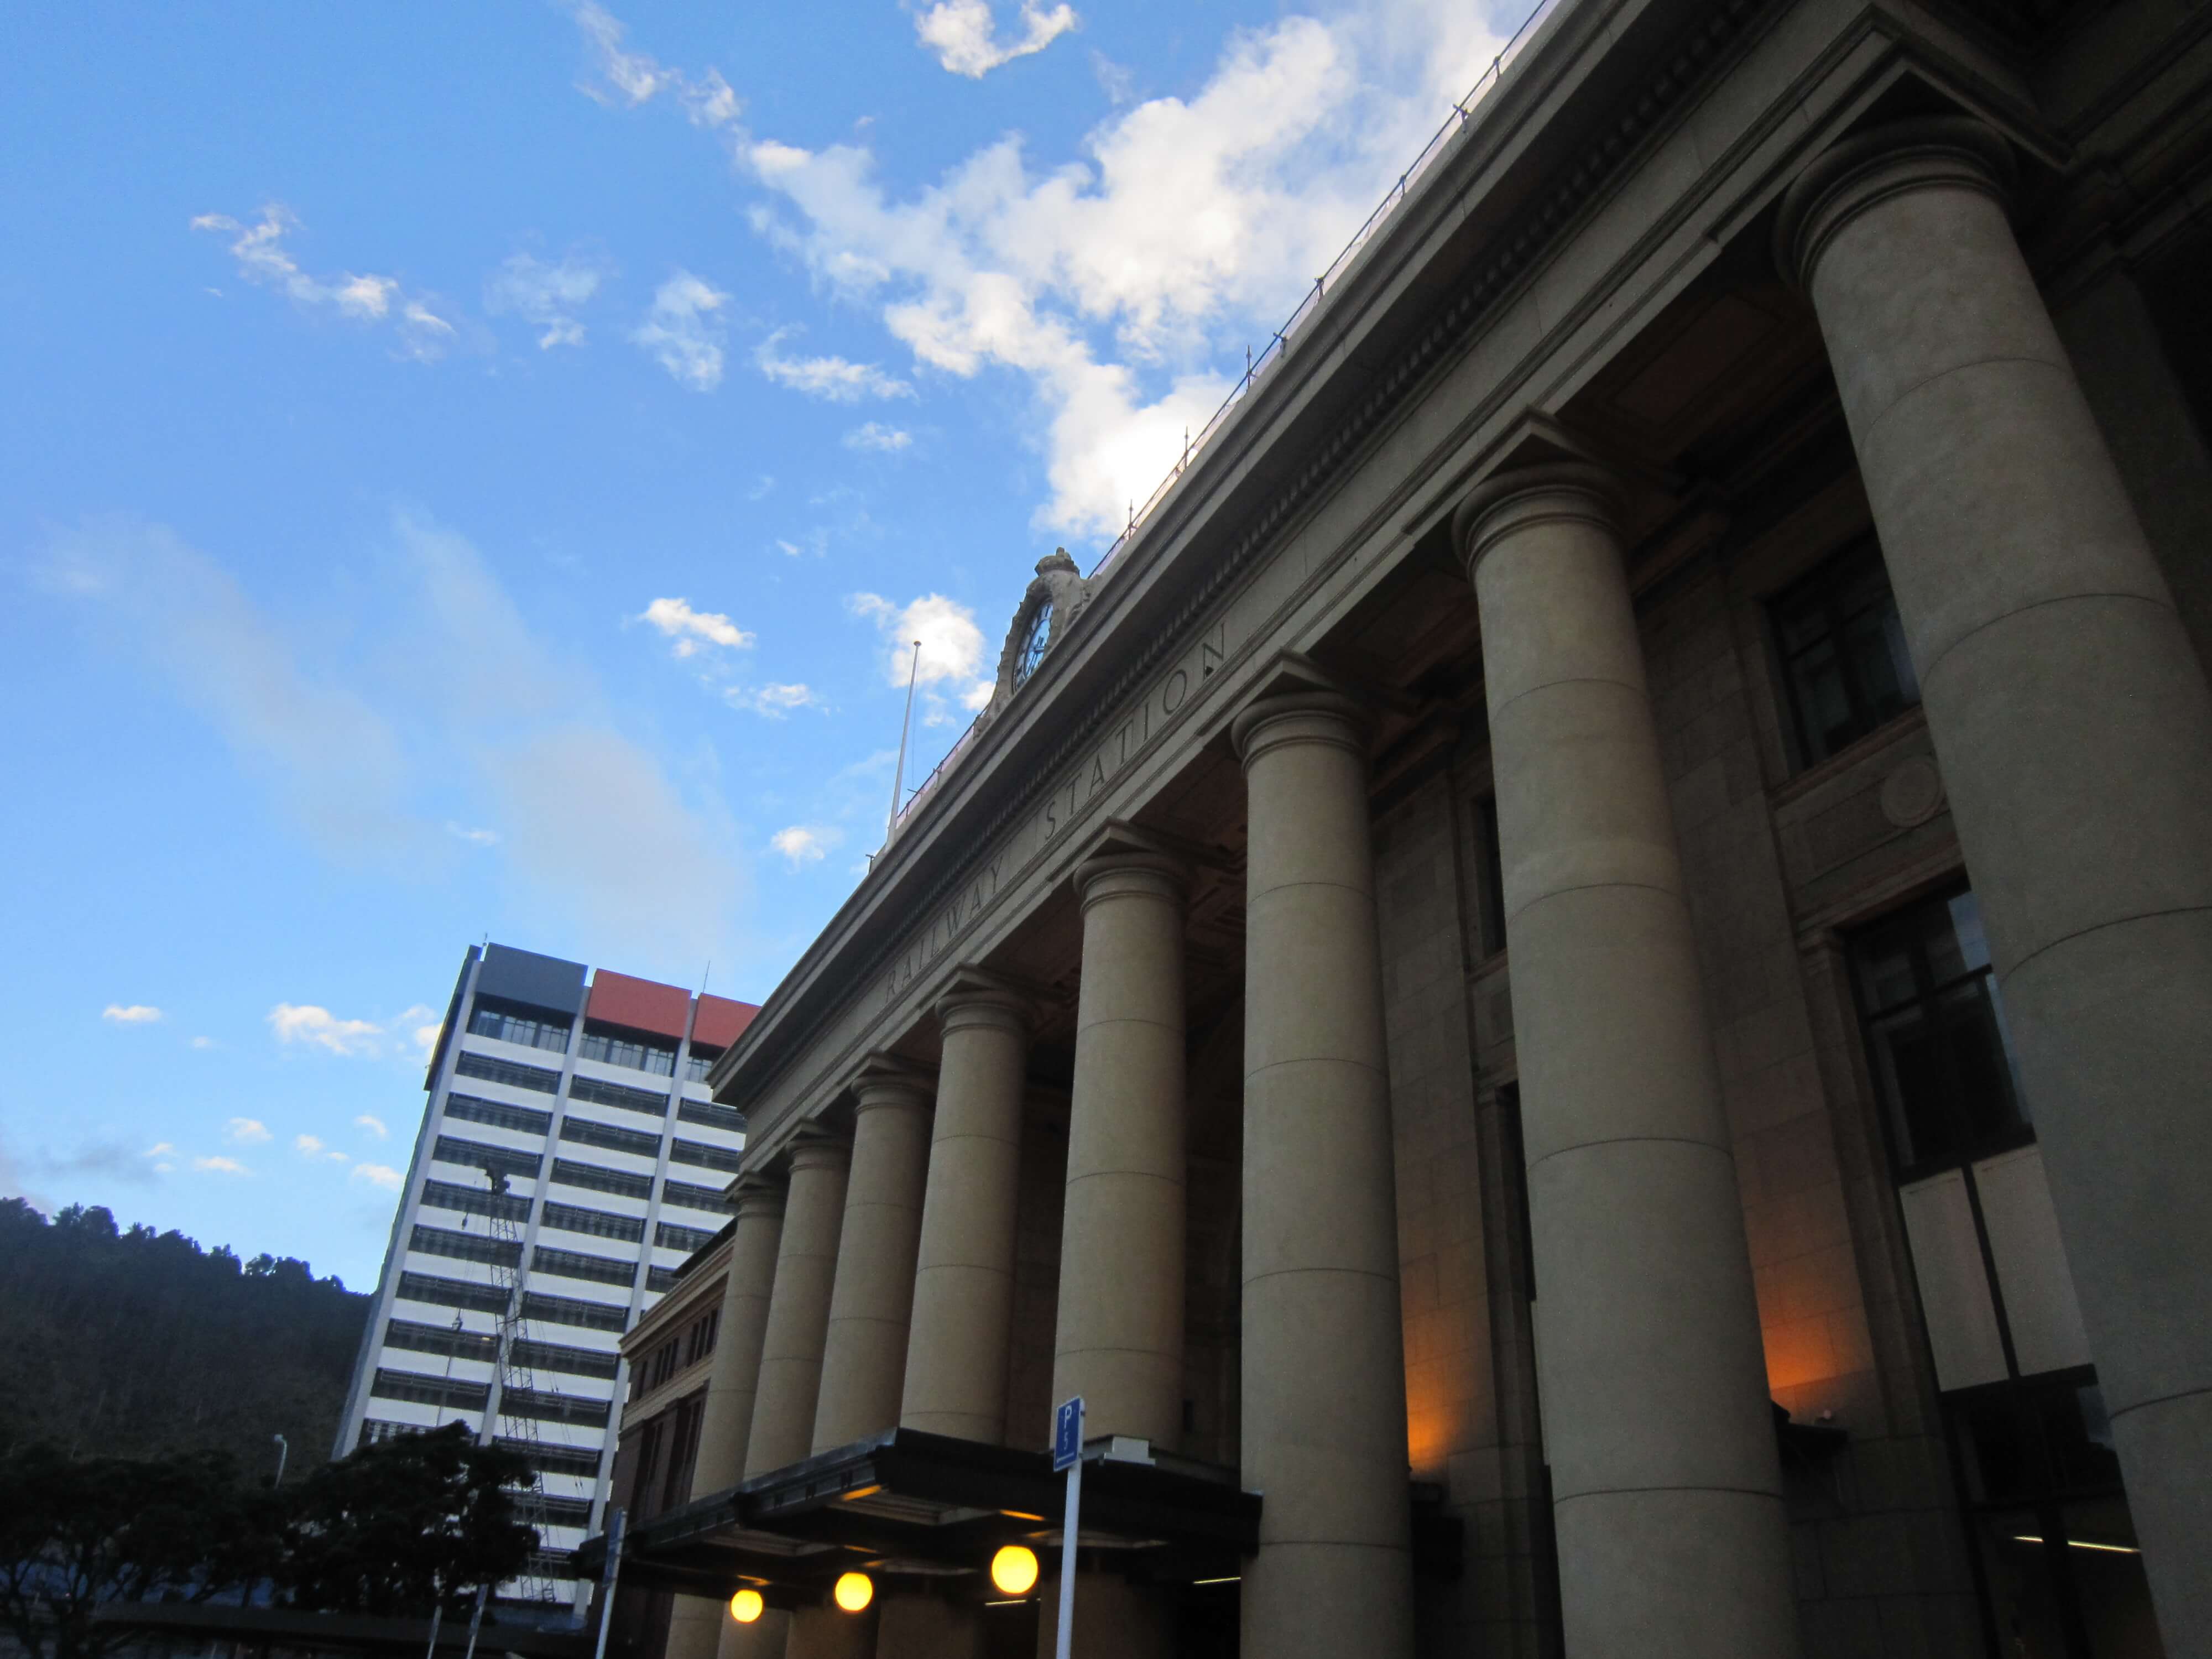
1068 1433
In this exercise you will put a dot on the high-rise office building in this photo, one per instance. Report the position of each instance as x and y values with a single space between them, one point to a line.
569 1158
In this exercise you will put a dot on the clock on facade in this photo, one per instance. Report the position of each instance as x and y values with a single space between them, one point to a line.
1034 642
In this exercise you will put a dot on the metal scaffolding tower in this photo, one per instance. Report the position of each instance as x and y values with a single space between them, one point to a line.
517 1428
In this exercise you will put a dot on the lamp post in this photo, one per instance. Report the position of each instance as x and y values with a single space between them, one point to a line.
284 1450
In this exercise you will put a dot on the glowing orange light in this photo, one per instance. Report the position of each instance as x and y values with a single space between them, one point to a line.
854 1591
746 1606
1014 1570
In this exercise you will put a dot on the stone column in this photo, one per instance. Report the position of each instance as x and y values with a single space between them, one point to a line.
799 1306
2075 729
864 1347
1119 1342
1324 1375
694 1622
1667 1489
964 1288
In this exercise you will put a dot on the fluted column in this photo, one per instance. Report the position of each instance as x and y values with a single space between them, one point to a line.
1324 1375
1120 1339
963 1285
864 1348
694 1622
1667 1490
2075 729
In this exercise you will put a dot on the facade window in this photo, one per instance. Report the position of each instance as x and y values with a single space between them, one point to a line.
481 1155
573 1362
661 1280
714 1117
600 1224
485 1069
475 1200
452 1293
533 1027
614 1094
524 1120
567 1511
540 1309
441 1339
670 1237
578 1461
699 1341
709 1199
707 1157
463 1247
548 1406
698 1062
374 1429
1935 1033
1843 652
430 1390
611 1045
596 1178
586 1132
577 1264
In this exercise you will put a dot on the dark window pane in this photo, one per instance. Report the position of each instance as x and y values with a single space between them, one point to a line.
1983 1079
1909 1065
1843 652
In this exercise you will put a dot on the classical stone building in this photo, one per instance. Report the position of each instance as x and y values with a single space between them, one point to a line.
1578 999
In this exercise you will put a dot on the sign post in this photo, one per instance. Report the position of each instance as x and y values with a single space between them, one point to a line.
609 1571
1067 1454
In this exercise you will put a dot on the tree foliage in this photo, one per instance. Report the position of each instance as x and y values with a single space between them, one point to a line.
75 1533
402 1524
139 1344
395 1529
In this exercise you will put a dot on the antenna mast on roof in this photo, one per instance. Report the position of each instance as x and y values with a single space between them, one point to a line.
898 777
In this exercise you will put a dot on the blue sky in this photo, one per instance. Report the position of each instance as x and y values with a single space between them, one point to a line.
468 471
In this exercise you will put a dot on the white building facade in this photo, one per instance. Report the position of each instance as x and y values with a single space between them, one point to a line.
570 1149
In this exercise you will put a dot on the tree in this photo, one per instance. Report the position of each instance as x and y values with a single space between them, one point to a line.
75 1533
403 1524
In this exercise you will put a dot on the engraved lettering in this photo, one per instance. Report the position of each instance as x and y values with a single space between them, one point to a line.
1174 691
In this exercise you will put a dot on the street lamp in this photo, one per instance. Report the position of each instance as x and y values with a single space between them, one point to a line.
746 1607
1014 1570
854 1591
284 1450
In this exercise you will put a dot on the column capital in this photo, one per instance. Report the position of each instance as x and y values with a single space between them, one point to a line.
1320 716
757 1194
814 1146
1513 500
1942 152
884 1080
976 996
1125 860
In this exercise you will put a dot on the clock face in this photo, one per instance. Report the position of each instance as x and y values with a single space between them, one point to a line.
1034 642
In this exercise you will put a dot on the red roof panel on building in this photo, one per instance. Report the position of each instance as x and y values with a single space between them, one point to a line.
721 1022
640 1004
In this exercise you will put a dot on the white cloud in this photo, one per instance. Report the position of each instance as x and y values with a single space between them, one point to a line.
873 434
219 1166
161 1149
311 1146
319 1028
682 331
262 258
833 380
374 1125
474 837
422 1023
546 296
377 1175
136 1013
773 700
952 646
806 843
635 78
965 39
688 628
246 1132
374 734
204 1042
790 549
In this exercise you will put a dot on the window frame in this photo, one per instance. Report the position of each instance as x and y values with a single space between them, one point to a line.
1822 576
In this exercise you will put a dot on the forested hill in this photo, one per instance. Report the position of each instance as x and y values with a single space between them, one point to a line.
129 1344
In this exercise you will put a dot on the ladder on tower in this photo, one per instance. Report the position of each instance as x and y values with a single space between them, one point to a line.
517 1428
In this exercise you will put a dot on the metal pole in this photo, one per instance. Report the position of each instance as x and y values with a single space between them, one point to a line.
898 777
607 1577
284 1450
437 1613
1070 1526
475 1618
